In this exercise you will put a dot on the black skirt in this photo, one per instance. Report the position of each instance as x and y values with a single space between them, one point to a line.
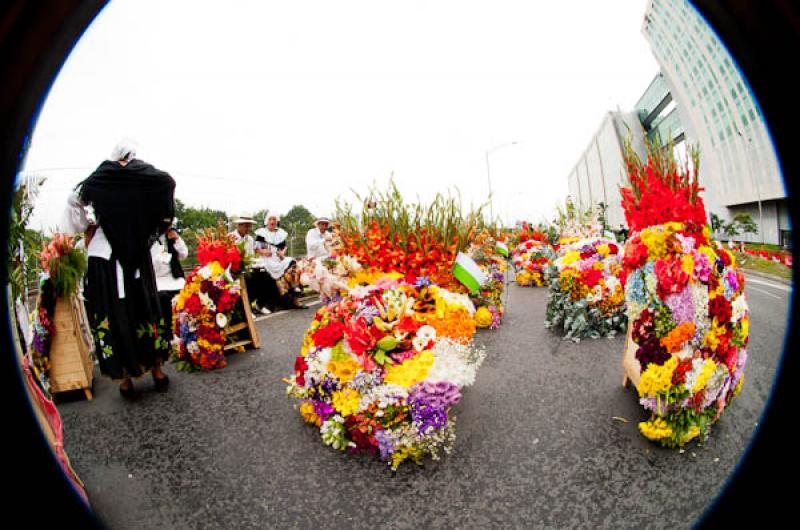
128 332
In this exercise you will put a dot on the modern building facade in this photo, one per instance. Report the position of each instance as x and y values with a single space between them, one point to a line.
738 165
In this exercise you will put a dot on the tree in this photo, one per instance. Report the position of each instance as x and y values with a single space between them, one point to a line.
193 220
745 223
717 224
297 222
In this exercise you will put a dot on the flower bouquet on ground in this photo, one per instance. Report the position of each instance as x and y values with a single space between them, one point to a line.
329 277
490 255
685 303
202 310
62 267
531 258
586 297
380 370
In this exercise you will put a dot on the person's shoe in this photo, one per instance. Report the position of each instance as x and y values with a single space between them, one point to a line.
129 393
162 383
264 311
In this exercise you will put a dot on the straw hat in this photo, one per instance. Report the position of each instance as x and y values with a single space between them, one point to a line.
322 219
244 218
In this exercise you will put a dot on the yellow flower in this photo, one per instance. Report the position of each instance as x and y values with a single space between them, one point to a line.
523 279
705 374
656 429
411 371
345 370
694 430
745 327
603 249
570 257
709 252
657 379
404 452
739 386
706 232
346 402
216 269
483 317
687 264
673 226
308 414
712 337
655 241
598 266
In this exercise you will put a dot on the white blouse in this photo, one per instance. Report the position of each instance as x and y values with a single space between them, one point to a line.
315 244
159 252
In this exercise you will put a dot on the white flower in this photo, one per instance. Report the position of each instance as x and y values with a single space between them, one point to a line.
454 362
612 283
424 335
222 320
205 272
686 352
316 369
738 308
359 291
207 301
324 355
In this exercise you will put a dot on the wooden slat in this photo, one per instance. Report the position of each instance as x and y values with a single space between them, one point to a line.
71 368
236 327
237 344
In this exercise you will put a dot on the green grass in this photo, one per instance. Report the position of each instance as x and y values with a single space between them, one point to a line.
758 264
765 246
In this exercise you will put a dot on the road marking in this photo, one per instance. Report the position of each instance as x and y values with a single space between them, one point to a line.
767 293
282 311
778 286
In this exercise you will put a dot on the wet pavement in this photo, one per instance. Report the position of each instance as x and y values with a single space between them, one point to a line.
547 437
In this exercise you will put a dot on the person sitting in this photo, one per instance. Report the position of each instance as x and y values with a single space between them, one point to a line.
259 284
271 256
167 251
318 239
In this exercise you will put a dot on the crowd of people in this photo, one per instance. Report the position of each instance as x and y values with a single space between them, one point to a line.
125 211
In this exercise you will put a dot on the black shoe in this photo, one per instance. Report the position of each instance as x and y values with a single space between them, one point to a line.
129 393
162 383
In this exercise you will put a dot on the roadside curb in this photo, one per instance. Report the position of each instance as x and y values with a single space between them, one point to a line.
767 276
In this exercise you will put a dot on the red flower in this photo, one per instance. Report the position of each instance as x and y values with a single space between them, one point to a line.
328 336
193 305
679 375
359 337
720 308
408 325
300 367
613 248
671 277
591 277
635 254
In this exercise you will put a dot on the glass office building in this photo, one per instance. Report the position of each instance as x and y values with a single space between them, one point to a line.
715 109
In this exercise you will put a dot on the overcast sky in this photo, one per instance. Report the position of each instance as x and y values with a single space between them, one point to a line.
268 104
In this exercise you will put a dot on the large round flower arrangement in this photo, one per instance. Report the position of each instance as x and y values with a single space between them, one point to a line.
586 296
201 310
379 371
531 258
686 304
489 298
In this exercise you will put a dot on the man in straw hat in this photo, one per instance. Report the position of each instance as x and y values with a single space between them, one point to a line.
318 239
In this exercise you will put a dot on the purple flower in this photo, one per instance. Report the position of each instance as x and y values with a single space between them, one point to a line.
442 394
426 416
702 267
322 409
422 281
687 243
368 312
682 306
386 443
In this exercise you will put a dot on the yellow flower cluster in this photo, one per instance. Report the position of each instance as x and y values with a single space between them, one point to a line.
345 370
308 414
370 276
655 241
694 430
523 279
709 252
567 240
657 379
705 374
346 402
739 386
483 317
570 257
404 452
655 430
712 337
603 249
411 371
687 265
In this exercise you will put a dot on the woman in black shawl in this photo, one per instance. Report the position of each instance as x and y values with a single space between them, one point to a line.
131 202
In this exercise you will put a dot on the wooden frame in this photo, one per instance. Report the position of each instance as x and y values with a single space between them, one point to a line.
71 366
632 370
249 323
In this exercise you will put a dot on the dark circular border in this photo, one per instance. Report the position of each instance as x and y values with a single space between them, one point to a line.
37 37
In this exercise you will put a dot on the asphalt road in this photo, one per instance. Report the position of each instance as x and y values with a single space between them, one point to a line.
538 445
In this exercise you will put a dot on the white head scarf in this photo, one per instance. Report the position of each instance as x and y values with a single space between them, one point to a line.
124 150
271 214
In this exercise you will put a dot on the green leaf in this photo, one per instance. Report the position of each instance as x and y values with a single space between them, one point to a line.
387 343
380 357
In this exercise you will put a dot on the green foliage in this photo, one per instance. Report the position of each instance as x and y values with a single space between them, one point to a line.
192 221
717 223
297 222
745 223
67 271
23 243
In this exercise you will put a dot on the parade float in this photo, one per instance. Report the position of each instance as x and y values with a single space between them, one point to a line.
688 317
386 359
380 370
208 318
586 280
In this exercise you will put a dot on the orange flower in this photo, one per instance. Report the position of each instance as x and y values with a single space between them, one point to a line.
676 338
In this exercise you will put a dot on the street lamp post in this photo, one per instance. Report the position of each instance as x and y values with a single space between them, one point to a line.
748 156
489 174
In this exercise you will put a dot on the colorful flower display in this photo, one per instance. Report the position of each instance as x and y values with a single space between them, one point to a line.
489 299
586 296
685 302
380 370
531 258
201 310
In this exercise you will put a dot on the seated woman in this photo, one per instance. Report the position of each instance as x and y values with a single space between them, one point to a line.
167 251
270 243
260 286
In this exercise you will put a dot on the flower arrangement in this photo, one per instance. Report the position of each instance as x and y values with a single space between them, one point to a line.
685 302
531 258
380 370
201 310
330 277
413 239
488 300
586 295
